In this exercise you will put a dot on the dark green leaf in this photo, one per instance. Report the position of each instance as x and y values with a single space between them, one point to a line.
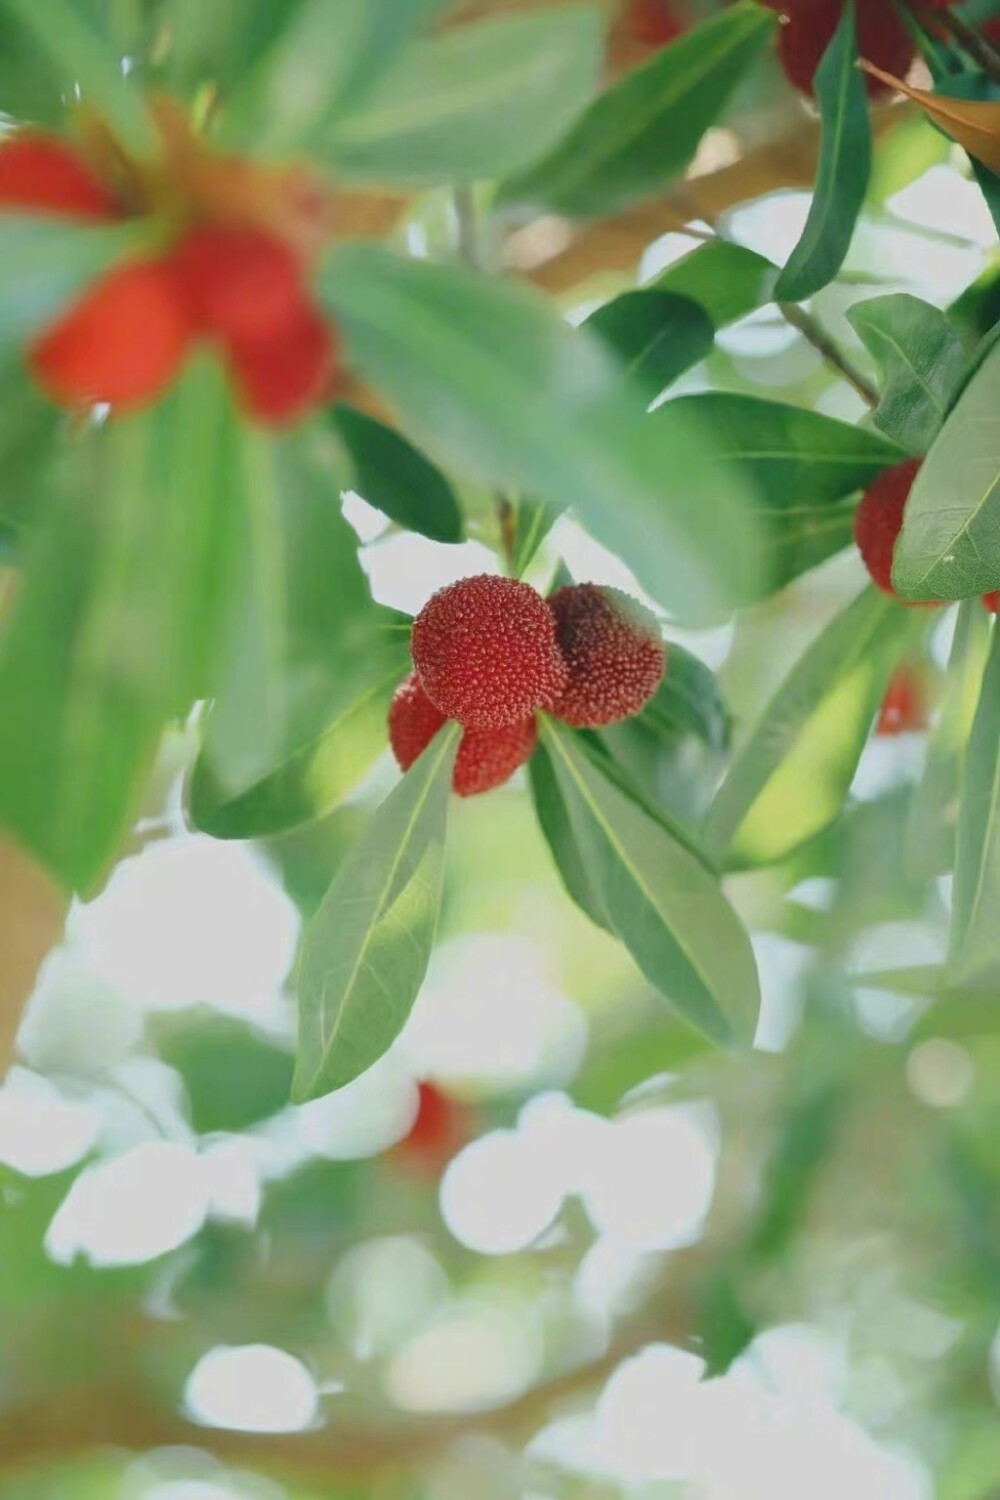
974 943
728 281
28 427
47 263
802 470
233 1076
644 130
789 779
366 951
560 835
29 81
656 334
920 355
949 547
478 101
844 169
534 521
397 479
659 899
540 408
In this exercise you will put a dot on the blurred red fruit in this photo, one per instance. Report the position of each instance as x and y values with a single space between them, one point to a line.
992 601
904 708
879 520
655 22
124 342
279 377
883 38
440 1130
40 173
244 285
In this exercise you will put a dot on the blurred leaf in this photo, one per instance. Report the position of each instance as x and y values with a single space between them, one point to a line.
643 131
974 943
659 899
806 1130
619 1065
397 479
930 831
47 263
556 823
88 65
535 520
728 281
28 427
726 1329
920 355
844 169
29 81
539 407
234 1077
802 471
118 623
315 1202
657 334
303 64
789 779
947 548
365 952
475 102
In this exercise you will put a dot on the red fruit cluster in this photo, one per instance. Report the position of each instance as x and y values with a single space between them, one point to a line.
491 653
883 38
126 340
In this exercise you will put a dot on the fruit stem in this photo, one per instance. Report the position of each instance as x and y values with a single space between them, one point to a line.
816 335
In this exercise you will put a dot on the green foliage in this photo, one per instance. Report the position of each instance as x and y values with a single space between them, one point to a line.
656 334
728 281
921 357
394 477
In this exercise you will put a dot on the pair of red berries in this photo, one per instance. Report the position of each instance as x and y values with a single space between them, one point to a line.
490 653
126 340
883 37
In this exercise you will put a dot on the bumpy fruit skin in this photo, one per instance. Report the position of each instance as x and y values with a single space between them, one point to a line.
279 377
904 707
41 174
878 520
124 342
486 757
243 284
485 651
655 22
882 36
613 651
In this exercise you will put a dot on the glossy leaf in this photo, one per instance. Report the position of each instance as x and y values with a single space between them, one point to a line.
47 263
727 280
659 899
541 409
921 357
844 169
476 102
949 547
366 951
974 943
397 479
643 131
656 335
803 471
789 779
560 834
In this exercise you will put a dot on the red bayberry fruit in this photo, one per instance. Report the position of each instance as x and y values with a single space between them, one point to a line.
614 653
282 376
40 173
878 520
883 38
123 343
441 1128
992 601
243 284
904 707
486 757
485 651
655 22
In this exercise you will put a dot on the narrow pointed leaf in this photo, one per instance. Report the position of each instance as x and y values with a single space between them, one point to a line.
727 280
367 948
656 335
397 479
974 943
844 169
921 357
659 899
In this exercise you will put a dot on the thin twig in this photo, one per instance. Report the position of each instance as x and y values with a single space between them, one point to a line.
831 354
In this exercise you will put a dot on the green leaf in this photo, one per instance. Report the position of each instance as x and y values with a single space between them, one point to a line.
29 81
556 824
790 778
476 102
801 469
397 479
366 951
659 899
315 780
656 334
535 520
643 131
88 64
618 1065
949 547
302 64
974 942
540 408
117 626
844 169
28 428
930 830
921 357
47 263
728 281
234 1077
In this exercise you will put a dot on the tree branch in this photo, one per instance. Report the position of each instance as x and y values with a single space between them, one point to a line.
816 335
